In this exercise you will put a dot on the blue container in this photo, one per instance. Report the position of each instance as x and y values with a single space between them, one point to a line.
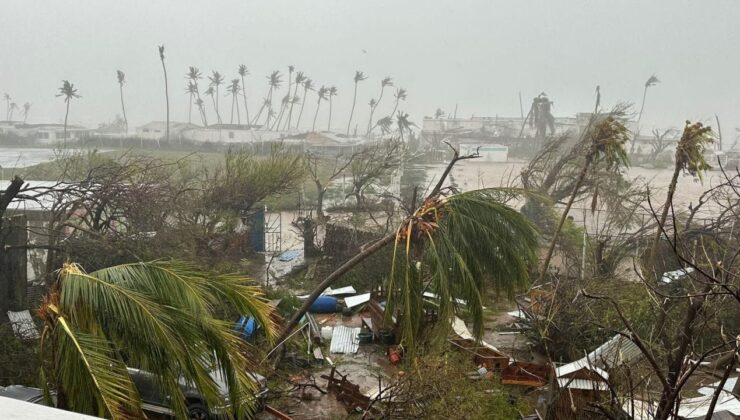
323 305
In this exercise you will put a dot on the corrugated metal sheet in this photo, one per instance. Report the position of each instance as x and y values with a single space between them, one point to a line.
352 301
615 352
345 340
582 384
23 325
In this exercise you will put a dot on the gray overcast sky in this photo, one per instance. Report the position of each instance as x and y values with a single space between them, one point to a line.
475 53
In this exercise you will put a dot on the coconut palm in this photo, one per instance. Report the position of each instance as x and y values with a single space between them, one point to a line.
212 93
400 95
166 92
332 92
160 317
455 246
438 114
403 123
359 76
385 124
13 108
26 109
321 95
244 72
194 75
216 80
191 91
383 84
7 98
307 85
300 78
274 80
68 92
121 80
283 106
233 90
265 105
689 159
605 137
651 81
200 104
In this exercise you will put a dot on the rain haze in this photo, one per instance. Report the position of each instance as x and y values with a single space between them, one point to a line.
476 55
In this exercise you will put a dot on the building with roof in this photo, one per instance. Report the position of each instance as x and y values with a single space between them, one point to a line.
44 133
156 130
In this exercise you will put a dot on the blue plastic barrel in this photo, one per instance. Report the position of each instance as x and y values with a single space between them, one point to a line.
324 304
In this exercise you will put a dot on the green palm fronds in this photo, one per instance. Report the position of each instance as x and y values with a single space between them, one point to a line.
159 317
457 247
690 149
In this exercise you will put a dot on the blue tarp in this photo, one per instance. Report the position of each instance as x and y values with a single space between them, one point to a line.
289 255
246 326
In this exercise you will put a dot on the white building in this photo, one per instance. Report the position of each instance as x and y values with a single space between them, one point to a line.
44 133
156 130
488 152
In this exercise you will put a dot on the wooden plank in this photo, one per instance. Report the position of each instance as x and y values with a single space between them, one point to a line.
277 413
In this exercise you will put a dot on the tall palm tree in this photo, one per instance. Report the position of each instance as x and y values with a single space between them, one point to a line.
606 138
216 80
331 93
400 95
191 90
387 81
7 98
651 81
26 109
68 92
160 317
274 80
359 76
321 95
201 107
242 73
265 105
194 75
212 93
300 78
233 90
689 159
371 104
385 124
307 85
166 92
403 123
121 80
13 108
283 106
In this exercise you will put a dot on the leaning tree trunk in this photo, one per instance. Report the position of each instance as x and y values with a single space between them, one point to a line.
639 117
664 216
244 94
303 103
123 109
352 113
64 136
328 125
318 106
167 101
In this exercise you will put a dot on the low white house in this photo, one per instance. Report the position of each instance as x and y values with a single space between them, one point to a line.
156 130
45 133
488 152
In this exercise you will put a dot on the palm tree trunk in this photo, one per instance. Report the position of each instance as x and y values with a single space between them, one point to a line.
276 125
246 109
238 115
290 113
639 117
352 113
318 105
123 109
167 100
395 107
303 102
231 120
664 214
564 216
64 136
190 110
269 108
372 111
328 126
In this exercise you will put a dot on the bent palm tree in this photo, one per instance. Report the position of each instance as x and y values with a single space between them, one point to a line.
331 93
194 75
244 72
403 123
283 106
13 108
651 81
121 80
166 92
400 95
7 98
68 92
274 80
359 76
233 90
307 85
300 78
321 93
159 317
191 91
212 93
383 84
458 243
216 80
26 110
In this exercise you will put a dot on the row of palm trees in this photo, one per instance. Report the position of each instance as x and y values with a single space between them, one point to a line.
279 115
11 107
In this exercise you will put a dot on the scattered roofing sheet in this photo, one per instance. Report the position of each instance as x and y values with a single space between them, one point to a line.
698 407
23 325
344 340
582 384
348 290
431 295
672 276
289 255
572 367
517 314
458 325
352 301
709 390
615 352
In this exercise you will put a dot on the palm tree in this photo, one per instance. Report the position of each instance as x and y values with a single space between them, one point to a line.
403 123
160 317
359 76
7 98
121 81
166 92
454 246
438 114
274 80
400 95
191 90
212 93
689 159
13 108
651 81
371 104
321 94
216 81
69 92
605 137
265 105
244 72
26 109
300 78
332 93
194 75
283 106
385 124
383 83
307 85
234 92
